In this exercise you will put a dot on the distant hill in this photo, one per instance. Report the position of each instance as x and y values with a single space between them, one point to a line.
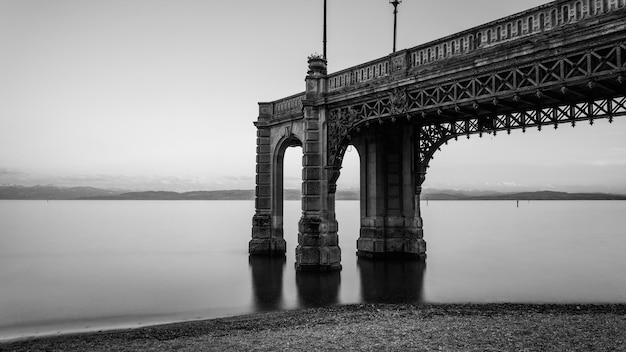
90 193
288 194
51 192
196 195
448 194
540 195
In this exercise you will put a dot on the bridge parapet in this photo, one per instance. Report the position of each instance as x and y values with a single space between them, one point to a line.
541 19
282 108
534 21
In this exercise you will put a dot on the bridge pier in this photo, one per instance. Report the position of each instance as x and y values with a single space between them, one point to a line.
318 244
267 229
266 239
391 224
391 178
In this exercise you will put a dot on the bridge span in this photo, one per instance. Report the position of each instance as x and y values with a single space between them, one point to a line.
562 62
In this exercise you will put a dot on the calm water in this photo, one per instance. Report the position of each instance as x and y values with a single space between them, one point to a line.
90 265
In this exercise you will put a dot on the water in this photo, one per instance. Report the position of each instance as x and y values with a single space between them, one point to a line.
89 265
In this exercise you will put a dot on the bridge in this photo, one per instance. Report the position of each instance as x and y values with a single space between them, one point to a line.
562 62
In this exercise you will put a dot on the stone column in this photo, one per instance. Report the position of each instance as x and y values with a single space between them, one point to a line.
419 223
419 175
372 234
318 248
390 225
265 239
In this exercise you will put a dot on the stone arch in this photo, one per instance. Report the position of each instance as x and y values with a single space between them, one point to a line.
277 181
338 162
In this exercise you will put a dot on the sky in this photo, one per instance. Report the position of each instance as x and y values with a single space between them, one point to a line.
162 94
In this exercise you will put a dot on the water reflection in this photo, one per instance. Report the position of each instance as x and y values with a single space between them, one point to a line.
59 269
267 282
317 289
391 281
382 281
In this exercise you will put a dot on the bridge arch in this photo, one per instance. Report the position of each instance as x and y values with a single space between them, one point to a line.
278 180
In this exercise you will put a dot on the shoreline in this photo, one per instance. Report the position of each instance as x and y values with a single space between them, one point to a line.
502 327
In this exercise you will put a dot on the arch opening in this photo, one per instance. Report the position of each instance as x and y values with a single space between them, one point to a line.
348 202
286 181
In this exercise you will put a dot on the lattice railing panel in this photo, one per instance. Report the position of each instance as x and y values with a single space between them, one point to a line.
605 59
433 136
526 77
549 71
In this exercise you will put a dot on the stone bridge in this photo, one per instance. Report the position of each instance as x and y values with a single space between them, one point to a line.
562 62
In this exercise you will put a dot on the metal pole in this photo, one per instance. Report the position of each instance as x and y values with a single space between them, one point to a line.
395 23
325 30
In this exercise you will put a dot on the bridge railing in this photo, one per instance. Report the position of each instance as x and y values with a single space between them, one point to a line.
537 20
359 74
288 105
530 22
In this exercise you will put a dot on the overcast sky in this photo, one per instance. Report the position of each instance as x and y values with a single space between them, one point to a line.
162 94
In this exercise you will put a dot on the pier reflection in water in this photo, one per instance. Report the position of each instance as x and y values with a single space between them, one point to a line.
391 281
317 289
267 282
381 281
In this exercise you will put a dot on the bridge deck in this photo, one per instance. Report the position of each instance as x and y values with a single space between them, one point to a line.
521 38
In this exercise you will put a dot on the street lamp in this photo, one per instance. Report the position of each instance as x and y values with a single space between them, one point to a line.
324 30
395 4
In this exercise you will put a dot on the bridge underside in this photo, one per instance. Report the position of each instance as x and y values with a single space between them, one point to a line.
397 121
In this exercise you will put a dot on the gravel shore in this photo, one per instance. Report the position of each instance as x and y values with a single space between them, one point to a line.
367 327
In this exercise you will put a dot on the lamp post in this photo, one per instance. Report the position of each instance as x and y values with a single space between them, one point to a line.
325 30
395 4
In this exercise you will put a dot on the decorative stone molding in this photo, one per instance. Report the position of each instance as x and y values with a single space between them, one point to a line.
317 64
398 101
